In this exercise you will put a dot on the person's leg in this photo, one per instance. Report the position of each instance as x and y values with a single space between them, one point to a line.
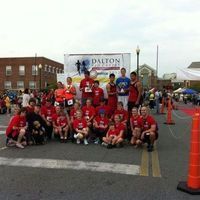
20 137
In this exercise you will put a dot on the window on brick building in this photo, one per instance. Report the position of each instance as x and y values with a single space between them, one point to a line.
34 70
49 68
32 84
7 85
8 70
20 84
21 70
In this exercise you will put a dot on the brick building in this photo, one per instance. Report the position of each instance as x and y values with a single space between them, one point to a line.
28 72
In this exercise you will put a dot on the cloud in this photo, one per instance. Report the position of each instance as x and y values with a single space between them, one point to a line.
52 28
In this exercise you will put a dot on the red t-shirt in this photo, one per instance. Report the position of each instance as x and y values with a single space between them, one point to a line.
62 120
79 124
105 108
17 121
97 95
73 113
133 92
68 91
113 132
120 127
136 121
59 94
56 119
88 112
102 122
84 86
30 109
122 113
148 122
48 112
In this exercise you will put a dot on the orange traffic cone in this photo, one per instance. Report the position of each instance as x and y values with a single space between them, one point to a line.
192 186
169 113
162 106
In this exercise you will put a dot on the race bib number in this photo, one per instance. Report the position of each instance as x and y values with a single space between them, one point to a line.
70 102
88 89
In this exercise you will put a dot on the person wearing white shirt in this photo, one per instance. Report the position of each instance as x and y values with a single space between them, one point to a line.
25 98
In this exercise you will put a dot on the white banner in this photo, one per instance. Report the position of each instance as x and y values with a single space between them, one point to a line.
99 65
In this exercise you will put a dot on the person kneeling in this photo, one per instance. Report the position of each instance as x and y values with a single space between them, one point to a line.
16 130
149 129
113 137
80 128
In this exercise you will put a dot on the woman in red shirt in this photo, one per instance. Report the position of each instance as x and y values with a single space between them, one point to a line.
59 94
70 92
16 130
135 124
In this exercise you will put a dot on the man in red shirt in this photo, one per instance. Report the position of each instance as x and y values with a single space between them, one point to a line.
47 112
55 121
86 86
80 128
149 129
112 93
135 92
97 94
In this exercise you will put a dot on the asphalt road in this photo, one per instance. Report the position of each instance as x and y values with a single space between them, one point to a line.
158 177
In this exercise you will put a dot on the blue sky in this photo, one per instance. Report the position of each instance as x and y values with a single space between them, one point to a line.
51 28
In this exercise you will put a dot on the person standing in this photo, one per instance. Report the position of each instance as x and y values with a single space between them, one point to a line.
112 93
25 98
135 92
86 86
70 92
78 65
123 84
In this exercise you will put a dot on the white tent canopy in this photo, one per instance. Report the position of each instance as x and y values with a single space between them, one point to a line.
188 74
179 90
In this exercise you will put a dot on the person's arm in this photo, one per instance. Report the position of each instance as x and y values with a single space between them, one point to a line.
139 88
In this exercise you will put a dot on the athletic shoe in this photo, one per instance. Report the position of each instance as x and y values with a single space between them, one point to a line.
75 136
85 141
104 144
78 141
18 145
97 141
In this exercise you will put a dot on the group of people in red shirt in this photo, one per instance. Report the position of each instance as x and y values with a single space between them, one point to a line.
96 119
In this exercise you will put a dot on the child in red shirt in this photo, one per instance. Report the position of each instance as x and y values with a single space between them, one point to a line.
100 126
135 124
80 128
61 126
112 136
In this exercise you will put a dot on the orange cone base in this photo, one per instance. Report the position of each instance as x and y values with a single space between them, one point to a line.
182 186
169 123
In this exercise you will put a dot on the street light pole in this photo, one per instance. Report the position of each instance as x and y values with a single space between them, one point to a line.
138 52
40 71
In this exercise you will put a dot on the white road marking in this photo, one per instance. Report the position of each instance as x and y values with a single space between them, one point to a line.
74 165
2 148
2 132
